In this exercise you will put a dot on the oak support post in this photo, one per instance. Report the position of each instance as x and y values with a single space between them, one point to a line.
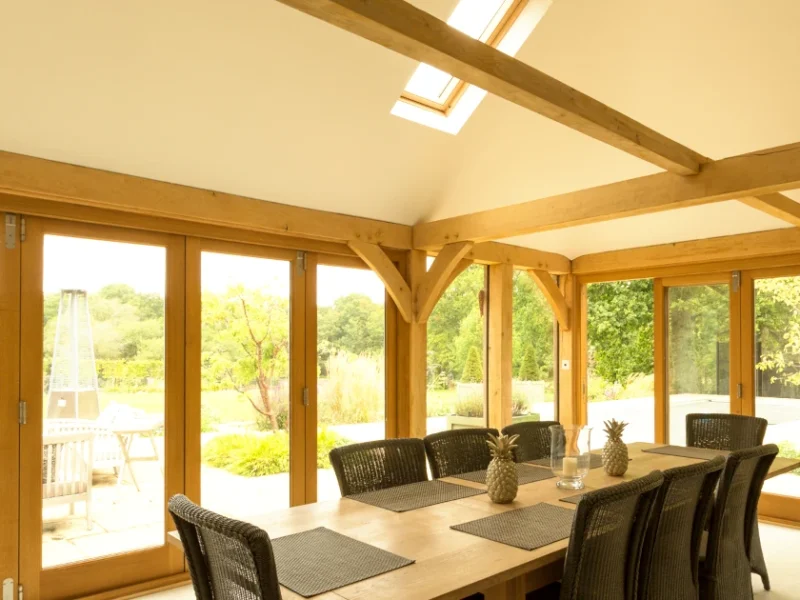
571 405
500 349
412 361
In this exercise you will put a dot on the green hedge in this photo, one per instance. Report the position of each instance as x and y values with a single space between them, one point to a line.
258 455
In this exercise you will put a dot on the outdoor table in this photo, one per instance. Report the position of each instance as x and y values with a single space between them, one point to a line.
451 565
126 433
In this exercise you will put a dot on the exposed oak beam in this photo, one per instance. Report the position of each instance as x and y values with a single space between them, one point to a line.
402 27
553 295
722 251
45 179
777 205
396 285
763 172
437 278
493 253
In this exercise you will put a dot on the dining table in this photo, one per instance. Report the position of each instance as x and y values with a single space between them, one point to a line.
450 564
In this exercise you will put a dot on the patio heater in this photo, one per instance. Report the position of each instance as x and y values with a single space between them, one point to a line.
73 373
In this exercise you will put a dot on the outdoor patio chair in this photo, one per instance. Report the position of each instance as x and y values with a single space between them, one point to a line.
725 567
670 562
227 558
379 465
606 542
67 471
731 432
534 439
107 451
458 451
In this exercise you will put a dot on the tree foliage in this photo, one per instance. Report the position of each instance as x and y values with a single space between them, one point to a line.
529 367
473 367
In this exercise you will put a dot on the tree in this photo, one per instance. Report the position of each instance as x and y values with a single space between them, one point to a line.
473 368
354 324
533 325
529 369
620 329
246 342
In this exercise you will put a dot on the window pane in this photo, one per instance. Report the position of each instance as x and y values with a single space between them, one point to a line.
104 306
533 360
245 384
351 386
699 365
620 348
777 371
456 355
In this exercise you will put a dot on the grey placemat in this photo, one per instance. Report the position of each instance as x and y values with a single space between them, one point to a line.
320 560
416 495
596 461
688 452
571 499
526 474
527 528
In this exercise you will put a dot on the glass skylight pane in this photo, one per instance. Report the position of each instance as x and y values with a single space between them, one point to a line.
476 18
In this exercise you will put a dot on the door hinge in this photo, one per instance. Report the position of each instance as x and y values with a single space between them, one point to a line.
19 593
23 413
11 234
305 396
740 391
8 589
301 262
737 280
23 229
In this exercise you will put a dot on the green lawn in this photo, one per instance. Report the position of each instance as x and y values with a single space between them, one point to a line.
226 405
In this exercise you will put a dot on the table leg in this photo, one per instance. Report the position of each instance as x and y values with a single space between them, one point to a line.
513 589
155 452
126 453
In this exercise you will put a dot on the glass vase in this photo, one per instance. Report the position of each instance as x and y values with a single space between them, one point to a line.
570 458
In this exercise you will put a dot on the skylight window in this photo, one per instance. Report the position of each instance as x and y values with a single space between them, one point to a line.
437 99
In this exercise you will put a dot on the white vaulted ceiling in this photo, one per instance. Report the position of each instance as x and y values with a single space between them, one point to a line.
255 98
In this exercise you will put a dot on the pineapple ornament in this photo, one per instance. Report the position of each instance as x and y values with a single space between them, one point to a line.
502 480
615 452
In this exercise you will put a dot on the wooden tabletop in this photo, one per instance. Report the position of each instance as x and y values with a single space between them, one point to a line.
449 564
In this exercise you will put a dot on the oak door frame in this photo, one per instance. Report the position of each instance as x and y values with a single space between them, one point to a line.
9 406
94 575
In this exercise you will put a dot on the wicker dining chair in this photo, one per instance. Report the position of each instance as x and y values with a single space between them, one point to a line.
534 439
606 542
725 568
458 451
731 432
669 569
379 465
227 558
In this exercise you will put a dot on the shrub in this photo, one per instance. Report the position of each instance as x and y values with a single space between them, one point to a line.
473 368
354 390
470 405
519 404
266 454
788 450
529 368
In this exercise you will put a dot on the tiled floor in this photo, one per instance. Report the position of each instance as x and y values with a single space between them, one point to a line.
781 546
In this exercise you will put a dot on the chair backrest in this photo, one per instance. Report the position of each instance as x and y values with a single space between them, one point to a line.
671 552
379 465
725 573
534 439
66 464
458 451
724 432
606 542
227 558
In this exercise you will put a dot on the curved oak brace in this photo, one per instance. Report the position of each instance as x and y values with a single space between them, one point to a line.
548 286
398 289
438 278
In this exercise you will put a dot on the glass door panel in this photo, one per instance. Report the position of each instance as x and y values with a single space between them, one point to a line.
777 371
351 380
456 395
698 353
103 401
620 347
244 389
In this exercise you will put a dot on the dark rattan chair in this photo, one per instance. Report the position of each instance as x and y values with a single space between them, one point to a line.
606 542
534 439
671 553
731 432
379 465
458 451
725 570
227 558
724 432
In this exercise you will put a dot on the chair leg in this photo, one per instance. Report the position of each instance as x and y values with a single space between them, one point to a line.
758 564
